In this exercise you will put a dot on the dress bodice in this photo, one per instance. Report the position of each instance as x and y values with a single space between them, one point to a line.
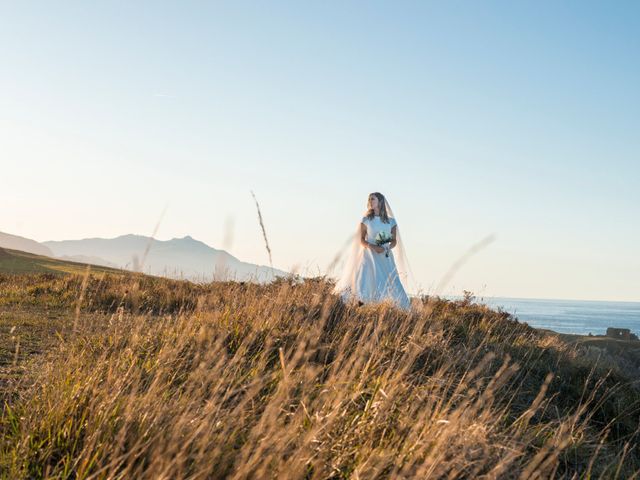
376 225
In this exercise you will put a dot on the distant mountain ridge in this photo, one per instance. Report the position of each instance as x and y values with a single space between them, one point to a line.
176 258
185 258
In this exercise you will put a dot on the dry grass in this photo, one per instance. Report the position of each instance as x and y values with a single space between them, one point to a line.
166 379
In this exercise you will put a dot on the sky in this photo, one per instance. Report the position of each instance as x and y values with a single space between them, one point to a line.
514 121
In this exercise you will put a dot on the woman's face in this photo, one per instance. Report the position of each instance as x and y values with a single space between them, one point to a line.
373 202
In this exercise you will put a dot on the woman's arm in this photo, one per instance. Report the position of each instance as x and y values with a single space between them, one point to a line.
393 236
363 235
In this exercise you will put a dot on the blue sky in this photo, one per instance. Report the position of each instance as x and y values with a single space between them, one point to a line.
517 119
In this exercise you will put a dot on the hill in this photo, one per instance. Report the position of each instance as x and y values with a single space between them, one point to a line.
15 242
15 261
620 355
146 377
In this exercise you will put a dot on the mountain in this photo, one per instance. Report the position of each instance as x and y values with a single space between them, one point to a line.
14 242
176 258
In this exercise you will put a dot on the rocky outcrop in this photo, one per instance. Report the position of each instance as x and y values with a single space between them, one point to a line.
621 334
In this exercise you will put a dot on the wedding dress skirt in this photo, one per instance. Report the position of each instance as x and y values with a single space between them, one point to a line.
375 277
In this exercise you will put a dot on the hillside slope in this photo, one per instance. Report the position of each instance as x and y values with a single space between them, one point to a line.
16 261
159 378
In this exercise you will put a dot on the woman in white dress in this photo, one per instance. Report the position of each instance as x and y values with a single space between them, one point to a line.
370 273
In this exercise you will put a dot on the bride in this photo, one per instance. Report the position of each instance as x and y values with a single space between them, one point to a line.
370 273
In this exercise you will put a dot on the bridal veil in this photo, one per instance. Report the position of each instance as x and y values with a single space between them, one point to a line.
354 251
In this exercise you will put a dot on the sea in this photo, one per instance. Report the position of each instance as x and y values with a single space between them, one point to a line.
571 316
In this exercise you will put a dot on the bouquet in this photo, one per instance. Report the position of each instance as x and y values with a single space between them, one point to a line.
383 239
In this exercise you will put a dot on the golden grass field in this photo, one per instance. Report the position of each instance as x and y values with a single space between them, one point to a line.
119 375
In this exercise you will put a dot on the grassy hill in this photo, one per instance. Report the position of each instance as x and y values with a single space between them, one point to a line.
130 376
16 261
617 354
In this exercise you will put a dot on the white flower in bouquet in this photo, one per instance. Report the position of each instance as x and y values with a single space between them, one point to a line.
383 239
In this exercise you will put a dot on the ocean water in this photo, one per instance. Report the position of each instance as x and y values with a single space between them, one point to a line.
571 316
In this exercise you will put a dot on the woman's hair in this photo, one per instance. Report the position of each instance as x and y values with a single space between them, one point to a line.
382 207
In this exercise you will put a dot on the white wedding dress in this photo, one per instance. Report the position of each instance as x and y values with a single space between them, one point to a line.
375 276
